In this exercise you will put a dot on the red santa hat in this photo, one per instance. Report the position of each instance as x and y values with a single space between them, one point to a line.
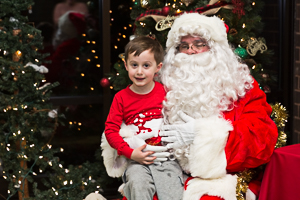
193 23
72 24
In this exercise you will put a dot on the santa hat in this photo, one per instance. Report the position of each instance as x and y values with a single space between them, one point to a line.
72 24
192 23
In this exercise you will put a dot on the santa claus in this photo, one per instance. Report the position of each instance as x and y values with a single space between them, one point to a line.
216 117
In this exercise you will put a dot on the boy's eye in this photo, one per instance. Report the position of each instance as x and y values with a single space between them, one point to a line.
146 65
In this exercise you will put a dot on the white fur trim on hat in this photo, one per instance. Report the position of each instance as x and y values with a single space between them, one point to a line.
192 23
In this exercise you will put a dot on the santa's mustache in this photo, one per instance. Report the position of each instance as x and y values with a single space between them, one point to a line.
204 59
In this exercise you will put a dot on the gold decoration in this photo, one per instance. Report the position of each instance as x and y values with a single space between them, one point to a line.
165 23
16 31
145 3
233 31
279 115
255 45
16 56
187 2
243 179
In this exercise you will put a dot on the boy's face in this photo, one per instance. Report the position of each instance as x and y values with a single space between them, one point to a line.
141 70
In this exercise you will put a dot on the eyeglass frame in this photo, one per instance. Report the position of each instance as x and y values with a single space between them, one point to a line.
190 46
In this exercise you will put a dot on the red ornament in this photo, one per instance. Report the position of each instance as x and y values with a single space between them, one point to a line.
165 10
104 82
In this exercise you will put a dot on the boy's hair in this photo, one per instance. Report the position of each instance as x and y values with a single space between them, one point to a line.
143 43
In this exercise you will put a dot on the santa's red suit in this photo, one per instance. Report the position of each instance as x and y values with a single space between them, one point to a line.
257 136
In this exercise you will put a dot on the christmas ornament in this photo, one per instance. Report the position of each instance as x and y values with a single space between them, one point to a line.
187 2
104 82
16 56
241 52
165 10
165 23
279 116
145 3
16 32
232 31
255 45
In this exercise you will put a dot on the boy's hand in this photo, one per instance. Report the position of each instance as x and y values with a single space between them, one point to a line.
142 157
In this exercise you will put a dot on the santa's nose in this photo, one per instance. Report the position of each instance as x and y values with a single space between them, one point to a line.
190 51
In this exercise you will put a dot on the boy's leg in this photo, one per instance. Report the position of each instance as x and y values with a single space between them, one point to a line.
168 180
138 181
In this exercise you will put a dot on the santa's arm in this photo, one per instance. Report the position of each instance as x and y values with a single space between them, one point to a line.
254 135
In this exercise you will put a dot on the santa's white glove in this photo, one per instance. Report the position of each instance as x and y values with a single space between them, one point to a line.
139 140
179 135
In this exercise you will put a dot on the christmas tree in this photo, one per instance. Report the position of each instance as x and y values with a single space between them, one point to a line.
31 167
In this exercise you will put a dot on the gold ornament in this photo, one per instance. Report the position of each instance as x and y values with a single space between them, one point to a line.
16 31
243 179
279 115
16 56
255 45
232 31
165 23
145 3
187 2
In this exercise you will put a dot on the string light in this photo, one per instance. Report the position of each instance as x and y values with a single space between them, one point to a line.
253 3
244 26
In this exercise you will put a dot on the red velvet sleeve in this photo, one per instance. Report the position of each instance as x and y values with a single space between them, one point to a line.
254 137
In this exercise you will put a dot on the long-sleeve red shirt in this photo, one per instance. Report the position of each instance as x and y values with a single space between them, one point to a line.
135 110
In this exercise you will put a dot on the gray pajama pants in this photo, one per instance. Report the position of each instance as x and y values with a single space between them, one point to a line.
143 181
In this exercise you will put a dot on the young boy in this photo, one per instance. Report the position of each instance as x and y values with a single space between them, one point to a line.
139 107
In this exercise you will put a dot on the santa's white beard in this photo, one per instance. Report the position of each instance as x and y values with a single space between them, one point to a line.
199 85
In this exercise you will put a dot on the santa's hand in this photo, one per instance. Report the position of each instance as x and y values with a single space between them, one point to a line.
179 134
161 156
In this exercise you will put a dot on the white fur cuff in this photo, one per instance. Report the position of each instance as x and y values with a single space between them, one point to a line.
207 157
115 165
224 187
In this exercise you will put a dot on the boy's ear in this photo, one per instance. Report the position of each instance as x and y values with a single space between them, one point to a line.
159 66
125 64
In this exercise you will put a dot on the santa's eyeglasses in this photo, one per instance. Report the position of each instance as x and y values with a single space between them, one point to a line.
195 46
